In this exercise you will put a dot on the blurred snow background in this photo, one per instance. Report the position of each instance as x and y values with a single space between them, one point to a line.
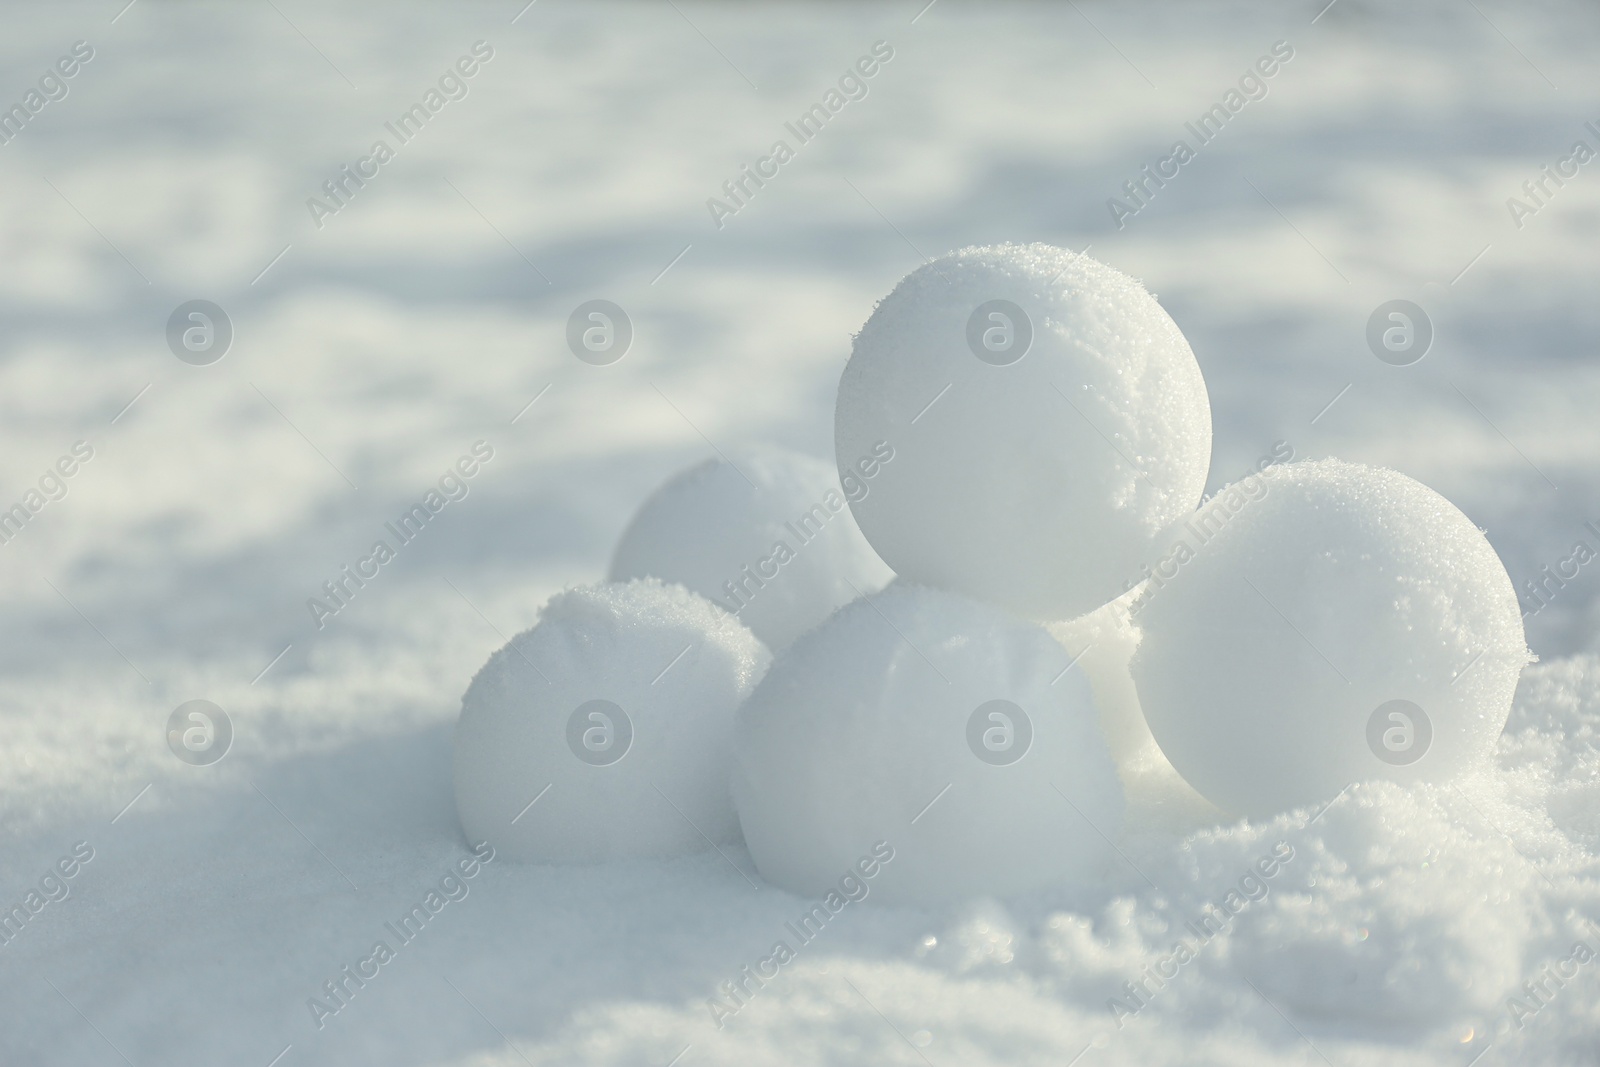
427 314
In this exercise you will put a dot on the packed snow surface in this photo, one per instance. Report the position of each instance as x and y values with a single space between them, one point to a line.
605 732
766 533
1320 623
1048 420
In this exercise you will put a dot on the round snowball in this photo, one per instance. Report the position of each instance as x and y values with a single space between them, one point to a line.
768 536
948 732
1048 421
606 731
1323 623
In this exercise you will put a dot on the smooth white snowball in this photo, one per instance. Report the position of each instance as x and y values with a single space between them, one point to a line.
869 729
1294 607
647 780
1043 484
768 536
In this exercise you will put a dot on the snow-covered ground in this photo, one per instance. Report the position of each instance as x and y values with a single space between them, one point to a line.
372 352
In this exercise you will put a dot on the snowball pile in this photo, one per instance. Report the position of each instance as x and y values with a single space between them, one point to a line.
1021 434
